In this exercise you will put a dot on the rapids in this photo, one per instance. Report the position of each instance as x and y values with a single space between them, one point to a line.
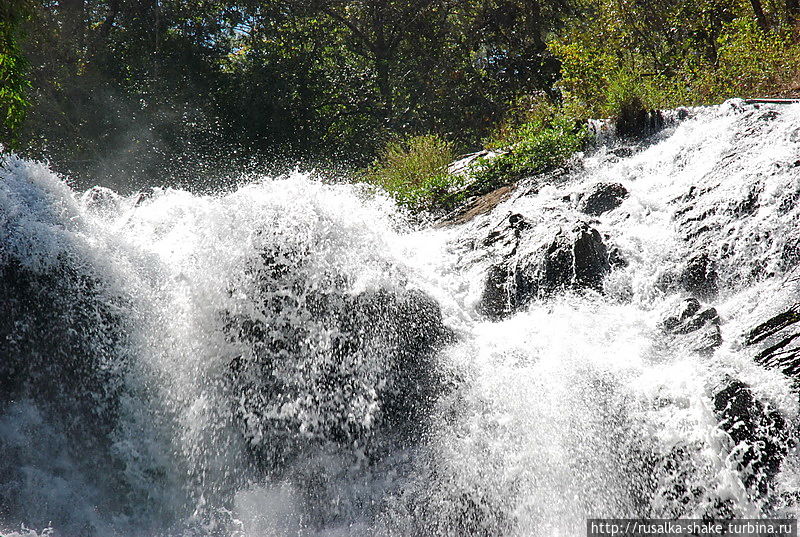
296 358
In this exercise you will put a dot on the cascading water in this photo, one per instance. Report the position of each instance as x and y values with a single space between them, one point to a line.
291 358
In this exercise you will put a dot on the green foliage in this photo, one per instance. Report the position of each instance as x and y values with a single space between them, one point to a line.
414 171
672 53
14 84
541 147
536 109
753 61
151 88
290 80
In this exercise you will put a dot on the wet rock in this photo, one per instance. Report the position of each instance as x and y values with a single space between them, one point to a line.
699 276
759 434
601 198
615 257
623 152
635 121
101 199
589 258
777 341
576 258
358 371
62 344
693 327
478 206
145 195
749 204
497 299
686 309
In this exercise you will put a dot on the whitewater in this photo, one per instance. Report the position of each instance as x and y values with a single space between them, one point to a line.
295 357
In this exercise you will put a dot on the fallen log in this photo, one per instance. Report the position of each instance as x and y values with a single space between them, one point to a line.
772 101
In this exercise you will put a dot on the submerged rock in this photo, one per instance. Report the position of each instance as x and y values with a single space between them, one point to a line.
777 341
102 200
357 373
758 433
699 276
693 327
576 258
601 198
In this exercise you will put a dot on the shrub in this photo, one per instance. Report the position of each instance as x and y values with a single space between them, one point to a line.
752 62
535 108
542 147
414 171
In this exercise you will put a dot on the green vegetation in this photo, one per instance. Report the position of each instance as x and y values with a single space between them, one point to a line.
14 83
537 147
674 53
128 92
414 171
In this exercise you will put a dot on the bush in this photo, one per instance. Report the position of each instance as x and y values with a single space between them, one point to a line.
752 62
671 54
541 147
536 108
414 171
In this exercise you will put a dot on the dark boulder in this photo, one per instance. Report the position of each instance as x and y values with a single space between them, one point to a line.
777 341
699 276
575 258
357 374
497 299
759 433
601 198
693 327
588 256
635 121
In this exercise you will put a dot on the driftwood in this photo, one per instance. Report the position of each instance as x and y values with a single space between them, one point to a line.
772 101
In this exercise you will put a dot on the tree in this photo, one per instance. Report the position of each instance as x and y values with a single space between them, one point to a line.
14 83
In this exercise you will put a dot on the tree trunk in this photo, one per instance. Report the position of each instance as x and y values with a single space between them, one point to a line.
73 30
761 19
792 11
384 84
101 38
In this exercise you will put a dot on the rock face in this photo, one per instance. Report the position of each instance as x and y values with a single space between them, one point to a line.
759 434
699 276
62 349
478 206
694 327
358 371
62 344
601 198
777 342
575 258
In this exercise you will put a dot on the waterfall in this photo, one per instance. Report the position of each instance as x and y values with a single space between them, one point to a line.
294 357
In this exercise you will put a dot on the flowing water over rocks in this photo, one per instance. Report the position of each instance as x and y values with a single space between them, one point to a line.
293 358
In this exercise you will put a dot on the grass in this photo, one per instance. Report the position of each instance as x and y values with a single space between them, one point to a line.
414 171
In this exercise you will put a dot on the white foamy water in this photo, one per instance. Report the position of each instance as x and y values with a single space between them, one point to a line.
292 358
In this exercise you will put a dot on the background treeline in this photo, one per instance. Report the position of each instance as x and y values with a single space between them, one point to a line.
130 92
